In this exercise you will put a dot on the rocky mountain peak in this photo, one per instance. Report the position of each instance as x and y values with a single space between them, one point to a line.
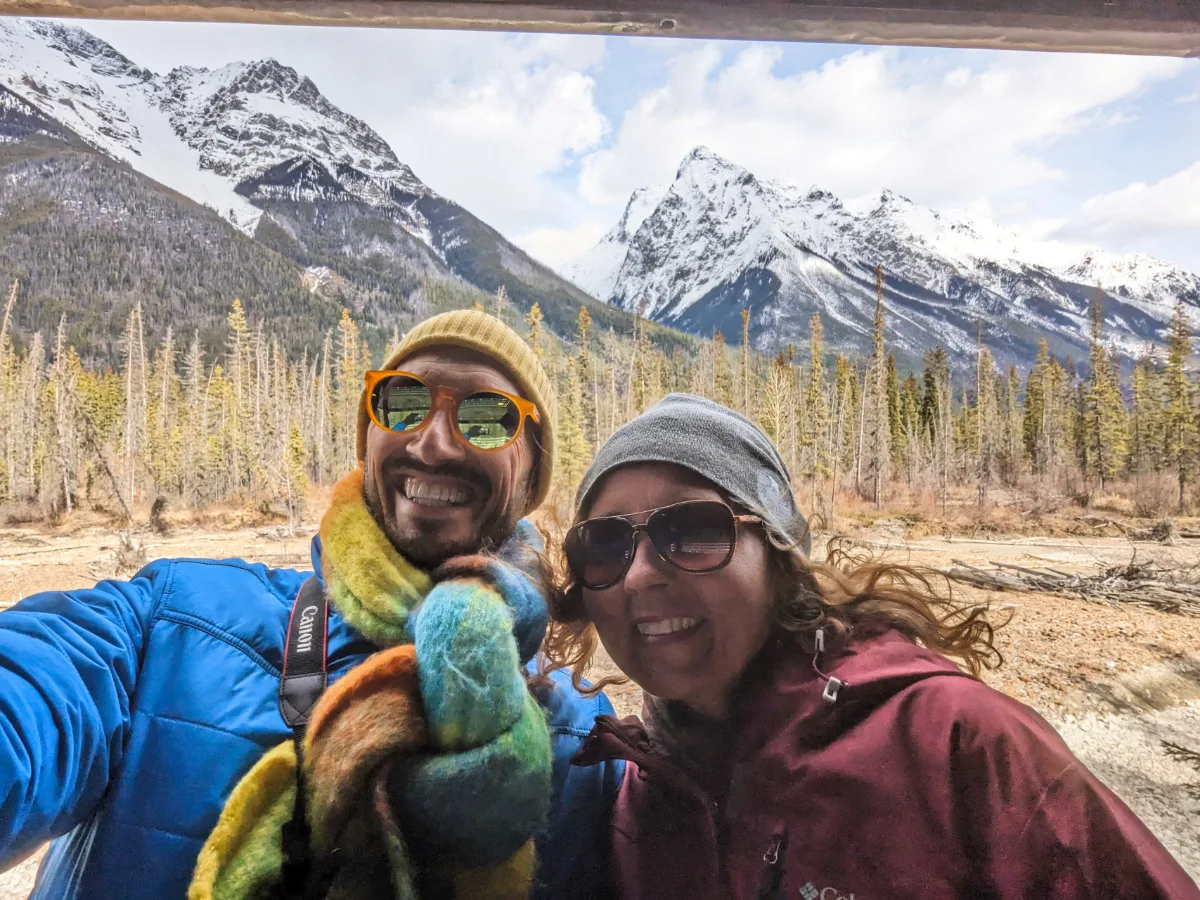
87 49
247 118
720 240
642 203
707 170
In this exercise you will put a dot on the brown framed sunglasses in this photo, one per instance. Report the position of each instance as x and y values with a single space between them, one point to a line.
696 536
486 420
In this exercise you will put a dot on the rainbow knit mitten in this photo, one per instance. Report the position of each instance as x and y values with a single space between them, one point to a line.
428 766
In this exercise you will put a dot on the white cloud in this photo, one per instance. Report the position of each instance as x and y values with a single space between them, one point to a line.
1140 211
497 137
555 246
870 119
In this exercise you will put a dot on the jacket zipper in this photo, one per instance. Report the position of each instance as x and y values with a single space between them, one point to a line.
772 877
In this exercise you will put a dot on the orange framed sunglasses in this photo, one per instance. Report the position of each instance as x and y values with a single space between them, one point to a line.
486 420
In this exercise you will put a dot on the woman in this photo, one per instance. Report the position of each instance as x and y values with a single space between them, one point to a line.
805 731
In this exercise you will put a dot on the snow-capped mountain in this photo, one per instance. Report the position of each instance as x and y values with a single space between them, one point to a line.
316 189
719 239
202 132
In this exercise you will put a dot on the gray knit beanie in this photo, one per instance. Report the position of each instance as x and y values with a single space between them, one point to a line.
717 444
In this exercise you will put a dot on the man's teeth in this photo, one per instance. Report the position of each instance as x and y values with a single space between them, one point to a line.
666 626
425 494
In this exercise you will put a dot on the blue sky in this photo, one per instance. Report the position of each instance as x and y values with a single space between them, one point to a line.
545 136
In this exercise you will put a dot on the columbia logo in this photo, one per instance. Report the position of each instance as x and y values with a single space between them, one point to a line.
811 892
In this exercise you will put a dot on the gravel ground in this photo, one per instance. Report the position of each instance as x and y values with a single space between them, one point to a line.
16 883
1125 751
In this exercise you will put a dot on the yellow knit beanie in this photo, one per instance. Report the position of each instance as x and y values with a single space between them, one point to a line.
484 334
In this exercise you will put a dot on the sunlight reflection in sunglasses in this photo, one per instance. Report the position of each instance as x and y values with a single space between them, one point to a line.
695 536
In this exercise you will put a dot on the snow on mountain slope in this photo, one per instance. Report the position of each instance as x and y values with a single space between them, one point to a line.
89 87
596 270
20 120
245 118
720 239
201 132
1140 279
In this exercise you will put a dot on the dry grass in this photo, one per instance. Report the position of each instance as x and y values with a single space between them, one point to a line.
1027 509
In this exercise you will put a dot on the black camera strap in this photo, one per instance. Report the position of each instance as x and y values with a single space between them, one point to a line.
300 687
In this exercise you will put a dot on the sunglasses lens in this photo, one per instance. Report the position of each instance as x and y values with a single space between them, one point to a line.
401 403
488 421
696 537
599 551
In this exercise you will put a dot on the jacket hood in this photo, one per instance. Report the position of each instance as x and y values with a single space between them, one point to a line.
807 699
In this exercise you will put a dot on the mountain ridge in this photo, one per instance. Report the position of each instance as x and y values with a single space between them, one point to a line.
258 144
719 238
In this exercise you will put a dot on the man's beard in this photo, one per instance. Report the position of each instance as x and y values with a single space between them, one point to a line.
428 551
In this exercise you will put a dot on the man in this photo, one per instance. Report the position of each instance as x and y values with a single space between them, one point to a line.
130 711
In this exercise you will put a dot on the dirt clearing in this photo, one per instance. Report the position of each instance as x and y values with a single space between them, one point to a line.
1116 681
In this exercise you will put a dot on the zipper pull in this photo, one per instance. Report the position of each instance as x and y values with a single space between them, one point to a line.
771 857
772 877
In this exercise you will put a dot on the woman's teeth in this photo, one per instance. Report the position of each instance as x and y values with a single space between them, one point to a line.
423 493
666 626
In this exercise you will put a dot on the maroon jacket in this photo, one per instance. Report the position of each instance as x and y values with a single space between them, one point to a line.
915 782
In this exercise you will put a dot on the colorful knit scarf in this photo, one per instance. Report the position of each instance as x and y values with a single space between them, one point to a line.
427 767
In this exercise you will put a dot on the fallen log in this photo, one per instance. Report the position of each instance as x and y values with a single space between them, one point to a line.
1136 585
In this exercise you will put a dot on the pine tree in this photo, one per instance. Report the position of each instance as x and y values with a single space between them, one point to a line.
392 345
1034 417
323 448
936 420
1179 419
535 338
1103 443
30 389
61 472
745 405
135 398
235 406
1011 429
195 423
875 452
1077 418
588 414
1145 421
845 422
502 301
164 444
574 451
259 425
296 477
910 412
816 435
778 402
896 441
348 368
983 437
8 369
723 380
795 409
682 372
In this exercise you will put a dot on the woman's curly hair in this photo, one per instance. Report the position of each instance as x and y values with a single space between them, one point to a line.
848 592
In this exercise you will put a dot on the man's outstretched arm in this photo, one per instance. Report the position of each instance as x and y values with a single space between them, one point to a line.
68 669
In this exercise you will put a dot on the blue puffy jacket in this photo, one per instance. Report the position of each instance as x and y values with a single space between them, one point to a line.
129 711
